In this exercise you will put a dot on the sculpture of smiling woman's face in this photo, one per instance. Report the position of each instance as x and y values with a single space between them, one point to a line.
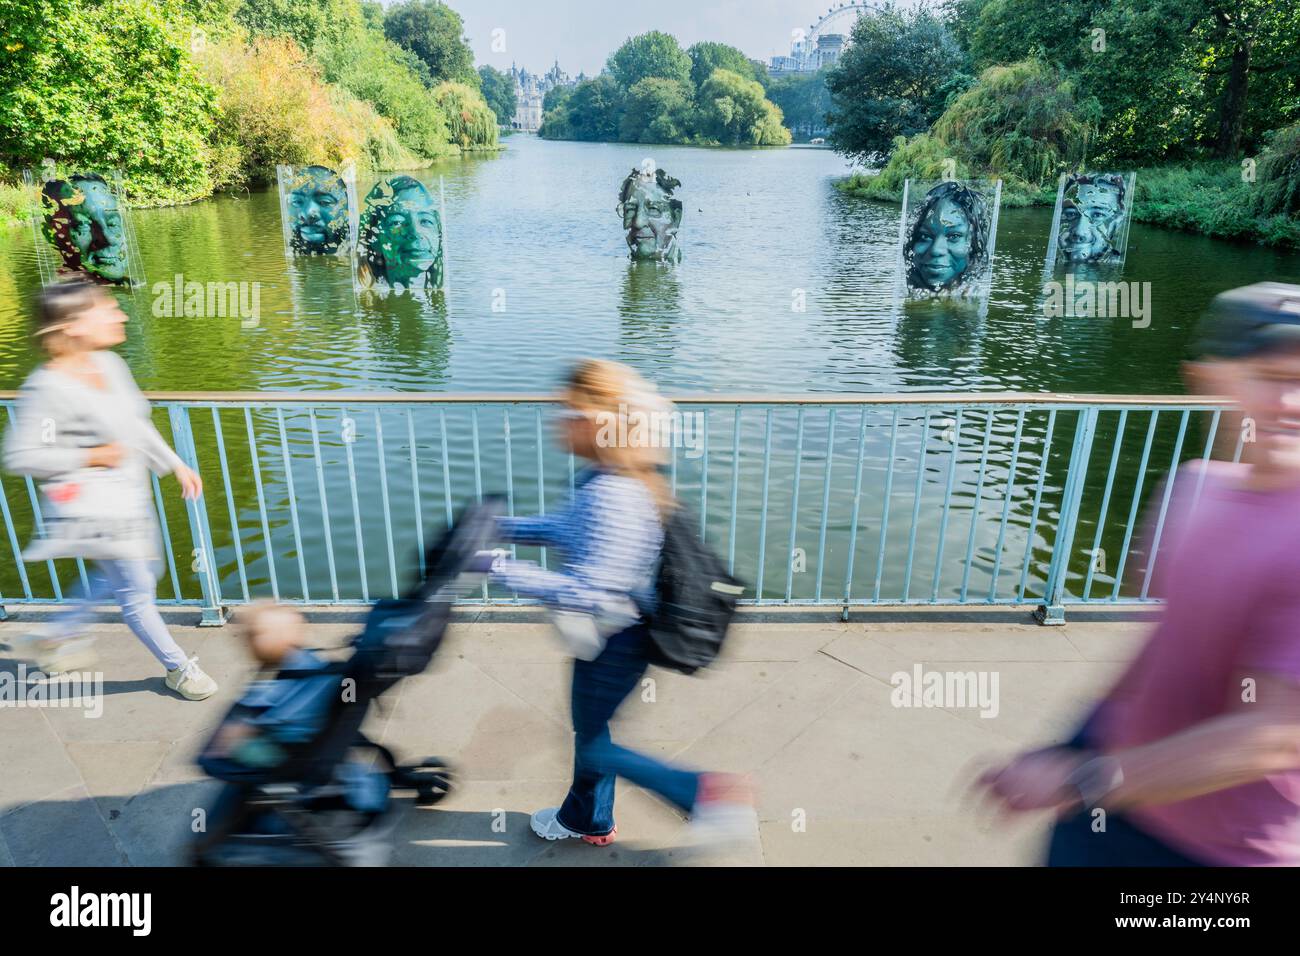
650 215
941 246
403 237
83 221
318 210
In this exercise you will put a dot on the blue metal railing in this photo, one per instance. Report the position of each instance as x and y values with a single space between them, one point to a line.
817 500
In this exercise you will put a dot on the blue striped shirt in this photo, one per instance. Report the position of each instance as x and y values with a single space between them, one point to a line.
609 535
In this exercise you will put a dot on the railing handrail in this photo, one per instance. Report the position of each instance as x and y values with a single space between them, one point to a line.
697 398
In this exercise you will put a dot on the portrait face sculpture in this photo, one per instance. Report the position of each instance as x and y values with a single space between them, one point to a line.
317 206
1092 212
650 214
401 237
84 223
946 248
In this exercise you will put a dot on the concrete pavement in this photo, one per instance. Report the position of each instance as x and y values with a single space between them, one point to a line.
812 710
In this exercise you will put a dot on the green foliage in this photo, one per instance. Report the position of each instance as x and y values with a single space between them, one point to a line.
652 54
1024 123
433 32
1277 176
276 108
648 96
16 202
106 84
708 56
499 92
1173 77
556 97
314 25
734 112
657 110
893 80
370 67
592 113
472 123
805 101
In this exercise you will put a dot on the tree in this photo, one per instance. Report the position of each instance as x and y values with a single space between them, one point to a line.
734 112
556 97
708 56
471 123
592 113
499 91
657 111
1169 74
315 25
107 85
804 99
434 33
893 80
652 54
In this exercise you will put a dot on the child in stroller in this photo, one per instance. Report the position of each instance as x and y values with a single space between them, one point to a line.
304 785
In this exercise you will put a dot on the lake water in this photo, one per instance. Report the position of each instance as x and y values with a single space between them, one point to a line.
534 229
538 275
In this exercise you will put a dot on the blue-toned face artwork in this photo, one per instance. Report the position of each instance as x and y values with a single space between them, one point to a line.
81 218
317 207
401 237
651 216
1093 212
946 248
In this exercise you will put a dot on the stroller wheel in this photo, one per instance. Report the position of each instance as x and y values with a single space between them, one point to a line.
432 780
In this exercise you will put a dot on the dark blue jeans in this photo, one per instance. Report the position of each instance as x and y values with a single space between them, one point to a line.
599 686
1073 842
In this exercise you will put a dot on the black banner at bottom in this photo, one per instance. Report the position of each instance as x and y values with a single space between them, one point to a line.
215 906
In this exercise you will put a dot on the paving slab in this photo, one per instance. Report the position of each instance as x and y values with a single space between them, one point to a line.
846 771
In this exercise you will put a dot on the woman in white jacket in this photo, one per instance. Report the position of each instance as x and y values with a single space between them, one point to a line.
82 429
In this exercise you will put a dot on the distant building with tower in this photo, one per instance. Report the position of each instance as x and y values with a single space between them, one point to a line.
530 92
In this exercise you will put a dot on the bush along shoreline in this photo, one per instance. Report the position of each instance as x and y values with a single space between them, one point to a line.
1026 123
191 98
1195 96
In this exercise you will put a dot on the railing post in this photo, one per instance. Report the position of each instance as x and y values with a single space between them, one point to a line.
1052 610
204 565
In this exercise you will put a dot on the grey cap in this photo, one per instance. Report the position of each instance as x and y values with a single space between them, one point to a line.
1252 320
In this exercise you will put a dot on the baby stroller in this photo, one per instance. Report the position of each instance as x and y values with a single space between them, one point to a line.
326 799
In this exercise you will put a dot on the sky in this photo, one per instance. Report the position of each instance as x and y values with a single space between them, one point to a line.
582 33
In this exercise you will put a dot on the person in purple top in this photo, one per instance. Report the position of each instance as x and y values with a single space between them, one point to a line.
1194 755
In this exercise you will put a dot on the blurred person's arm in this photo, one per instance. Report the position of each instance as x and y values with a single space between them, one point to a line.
1251 741
1228 751
617 536
535 530
31 444
1257 737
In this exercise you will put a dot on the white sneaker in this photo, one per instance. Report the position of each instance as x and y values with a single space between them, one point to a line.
190 681
59 656
546 824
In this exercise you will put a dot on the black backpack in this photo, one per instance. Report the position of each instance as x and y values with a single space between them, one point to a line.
697 598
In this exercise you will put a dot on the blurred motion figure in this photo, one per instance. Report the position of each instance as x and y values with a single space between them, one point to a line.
1194 755
611 534
83 430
